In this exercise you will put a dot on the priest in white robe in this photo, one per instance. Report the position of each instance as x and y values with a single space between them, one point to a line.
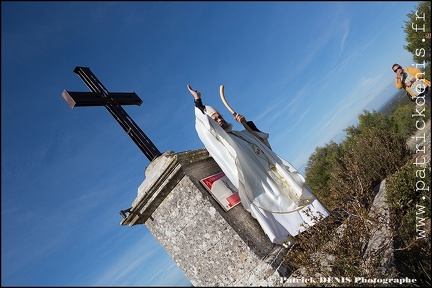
270 188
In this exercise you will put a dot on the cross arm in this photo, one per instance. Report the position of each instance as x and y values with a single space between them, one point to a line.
77 99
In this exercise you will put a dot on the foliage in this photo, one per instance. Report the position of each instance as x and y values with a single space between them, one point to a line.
337 173
405 123
367 159
334 248
417 28
409 204
318 169
345 177
368 120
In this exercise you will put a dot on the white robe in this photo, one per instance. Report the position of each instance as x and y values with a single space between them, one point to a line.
270 188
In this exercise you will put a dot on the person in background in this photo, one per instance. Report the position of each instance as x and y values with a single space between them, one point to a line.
414 83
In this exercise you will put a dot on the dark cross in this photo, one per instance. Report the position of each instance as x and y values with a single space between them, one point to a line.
112 101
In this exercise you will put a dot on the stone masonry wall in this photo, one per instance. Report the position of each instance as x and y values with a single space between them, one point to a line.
211 246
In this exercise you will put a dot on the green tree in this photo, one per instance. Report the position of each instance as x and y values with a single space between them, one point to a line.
367 121
345 176
418 36
404 121
368 158
318 172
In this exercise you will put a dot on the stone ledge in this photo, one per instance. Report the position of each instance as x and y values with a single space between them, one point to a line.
162 175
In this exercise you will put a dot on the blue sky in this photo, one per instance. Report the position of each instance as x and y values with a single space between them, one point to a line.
302 71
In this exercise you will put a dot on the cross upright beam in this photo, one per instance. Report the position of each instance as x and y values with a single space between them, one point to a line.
112 102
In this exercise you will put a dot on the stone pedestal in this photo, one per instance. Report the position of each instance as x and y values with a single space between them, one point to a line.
211 246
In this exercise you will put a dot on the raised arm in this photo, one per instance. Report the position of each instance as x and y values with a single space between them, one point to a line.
197 98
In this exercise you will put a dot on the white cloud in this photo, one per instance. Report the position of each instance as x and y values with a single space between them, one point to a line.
133 260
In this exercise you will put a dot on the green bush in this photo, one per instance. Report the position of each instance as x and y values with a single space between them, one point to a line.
318 172
405 123
410 218
343 176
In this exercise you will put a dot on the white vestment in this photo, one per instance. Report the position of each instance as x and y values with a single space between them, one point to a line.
270 188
